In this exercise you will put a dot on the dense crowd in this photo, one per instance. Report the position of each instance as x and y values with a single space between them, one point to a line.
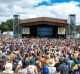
39 55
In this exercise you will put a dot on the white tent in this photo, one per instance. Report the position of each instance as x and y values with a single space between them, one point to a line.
8 33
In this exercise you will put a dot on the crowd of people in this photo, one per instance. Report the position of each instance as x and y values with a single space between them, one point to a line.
39 55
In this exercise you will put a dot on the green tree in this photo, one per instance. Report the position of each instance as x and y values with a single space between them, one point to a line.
6 26
9 23
78 28
1 27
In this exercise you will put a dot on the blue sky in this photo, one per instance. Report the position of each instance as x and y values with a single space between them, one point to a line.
39 8
58 1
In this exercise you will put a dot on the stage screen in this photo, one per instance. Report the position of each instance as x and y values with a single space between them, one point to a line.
25 30
61 30
44 31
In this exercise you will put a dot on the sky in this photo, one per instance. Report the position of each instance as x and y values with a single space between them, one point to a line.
27 9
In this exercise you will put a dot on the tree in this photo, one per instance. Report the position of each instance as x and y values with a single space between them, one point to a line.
6 26
78 28
10 24
1 26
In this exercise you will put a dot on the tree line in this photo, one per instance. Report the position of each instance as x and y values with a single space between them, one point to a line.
6 26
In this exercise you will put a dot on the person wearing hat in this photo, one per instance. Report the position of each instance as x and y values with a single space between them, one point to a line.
8 68
50 60
76 53
51 64
48 63
9 64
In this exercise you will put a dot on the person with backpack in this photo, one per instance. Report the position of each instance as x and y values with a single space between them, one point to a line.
70 63
38 64
51 64
32 59
29 69
63 67
48 67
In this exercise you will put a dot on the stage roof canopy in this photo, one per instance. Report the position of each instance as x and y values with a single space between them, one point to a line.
43 19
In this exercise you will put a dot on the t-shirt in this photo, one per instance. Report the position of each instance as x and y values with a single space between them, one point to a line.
70 64
32 61
27 70
20 63
52 70
63 68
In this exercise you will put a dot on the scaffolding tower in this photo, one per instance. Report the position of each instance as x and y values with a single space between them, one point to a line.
72 25
16 26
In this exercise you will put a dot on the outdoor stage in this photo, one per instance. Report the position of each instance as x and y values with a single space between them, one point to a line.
43 27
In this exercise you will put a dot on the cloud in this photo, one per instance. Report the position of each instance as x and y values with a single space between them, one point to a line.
4 10
30 3
65 9
3 19
57 10
26 9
